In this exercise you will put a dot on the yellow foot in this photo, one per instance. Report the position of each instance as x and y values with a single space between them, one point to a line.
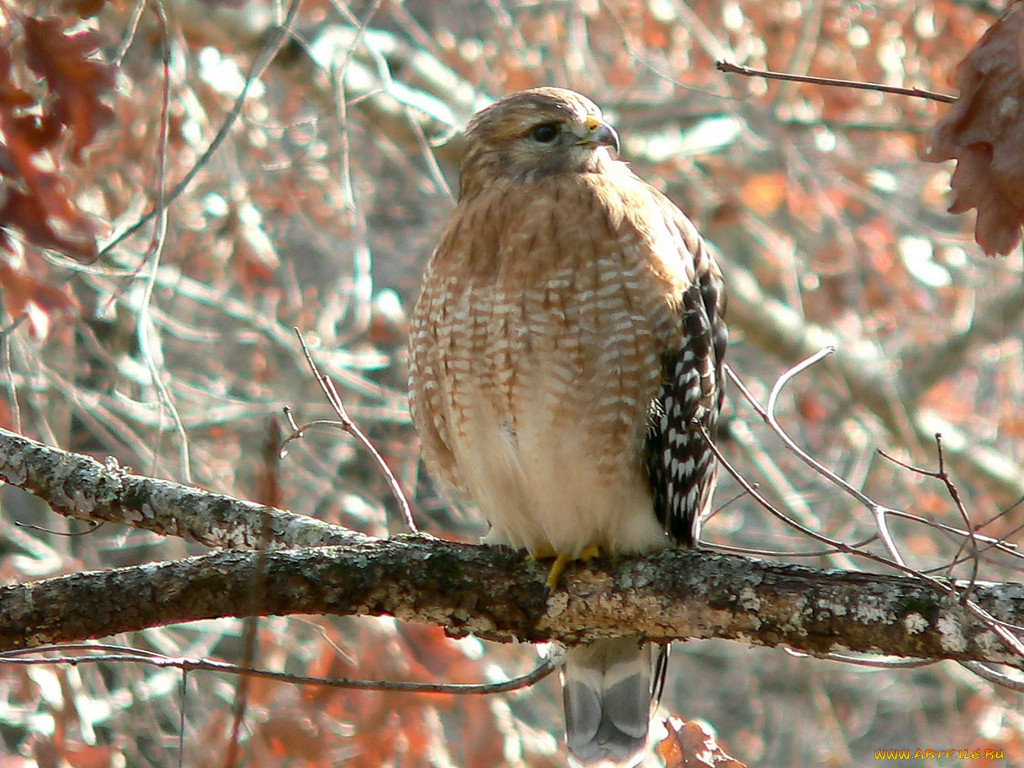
556 570
561 561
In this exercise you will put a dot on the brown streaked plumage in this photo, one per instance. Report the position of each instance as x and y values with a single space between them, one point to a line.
568 333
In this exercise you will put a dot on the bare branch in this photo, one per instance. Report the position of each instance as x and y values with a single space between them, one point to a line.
78 654
79 486
729 68
959 590
993 676
877 510
497 594
347 424
771 325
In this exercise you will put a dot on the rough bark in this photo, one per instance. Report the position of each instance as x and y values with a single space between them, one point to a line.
78 486
492 592
497 594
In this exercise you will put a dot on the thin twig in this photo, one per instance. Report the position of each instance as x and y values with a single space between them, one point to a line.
970 537
954 494
735 69
275 41
859 661
991 542
752 552
762 501
768 414
348 425
999 678
148 336
1001 629
122 654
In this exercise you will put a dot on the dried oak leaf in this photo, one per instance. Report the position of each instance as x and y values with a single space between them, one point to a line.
23 292
33 193
693 745
68 231
11 96
984 132
77 81
34 199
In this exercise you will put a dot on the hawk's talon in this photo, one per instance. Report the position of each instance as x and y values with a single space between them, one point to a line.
562 562
556 571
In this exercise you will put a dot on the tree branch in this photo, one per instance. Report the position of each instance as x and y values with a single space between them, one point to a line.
497 594
78 486
492 592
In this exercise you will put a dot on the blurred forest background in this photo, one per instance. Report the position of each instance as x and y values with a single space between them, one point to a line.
148 288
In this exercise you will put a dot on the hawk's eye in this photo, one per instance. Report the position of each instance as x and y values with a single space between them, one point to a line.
545 134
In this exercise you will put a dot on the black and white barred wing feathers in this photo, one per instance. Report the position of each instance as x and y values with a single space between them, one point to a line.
680 463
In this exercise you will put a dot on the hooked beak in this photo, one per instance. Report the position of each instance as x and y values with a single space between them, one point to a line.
599 134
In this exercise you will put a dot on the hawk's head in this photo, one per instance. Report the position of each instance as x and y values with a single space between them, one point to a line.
532 134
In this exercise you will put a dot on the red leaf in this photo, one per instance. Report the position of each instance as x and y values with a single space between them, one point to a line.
78 81
691 745
34 199
32 215
20 288
11 96
984 131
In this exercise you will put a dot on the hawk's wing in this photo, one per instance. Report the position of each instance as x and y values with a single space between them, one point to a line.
679 461
427 396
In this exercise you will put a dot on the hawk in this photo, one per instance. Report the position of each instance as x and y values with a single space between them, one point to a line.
567 342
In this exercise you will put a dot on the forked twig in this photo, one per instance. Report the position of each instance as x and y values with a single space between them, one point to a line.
970 539
990 542
877 510
762 501
956 590
345 423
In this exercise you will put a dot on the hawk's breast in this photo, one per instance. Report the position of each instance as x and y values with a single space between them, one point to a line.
538 345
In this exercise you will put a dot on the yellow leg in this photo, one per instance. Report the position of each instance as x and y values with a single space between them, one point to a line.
556 570
561 561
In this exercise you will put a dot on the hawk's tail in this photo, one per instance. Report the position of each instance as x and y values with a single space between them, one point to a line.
609 688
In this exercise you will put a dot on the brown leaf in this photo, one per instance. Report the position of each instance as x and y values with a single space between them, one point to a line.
11 96
693 745
77 81
29 133
984 132
34 199
20 288
36 214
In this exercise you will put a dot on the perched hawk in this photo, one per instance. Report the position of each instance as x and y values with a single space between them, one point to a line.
569 335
